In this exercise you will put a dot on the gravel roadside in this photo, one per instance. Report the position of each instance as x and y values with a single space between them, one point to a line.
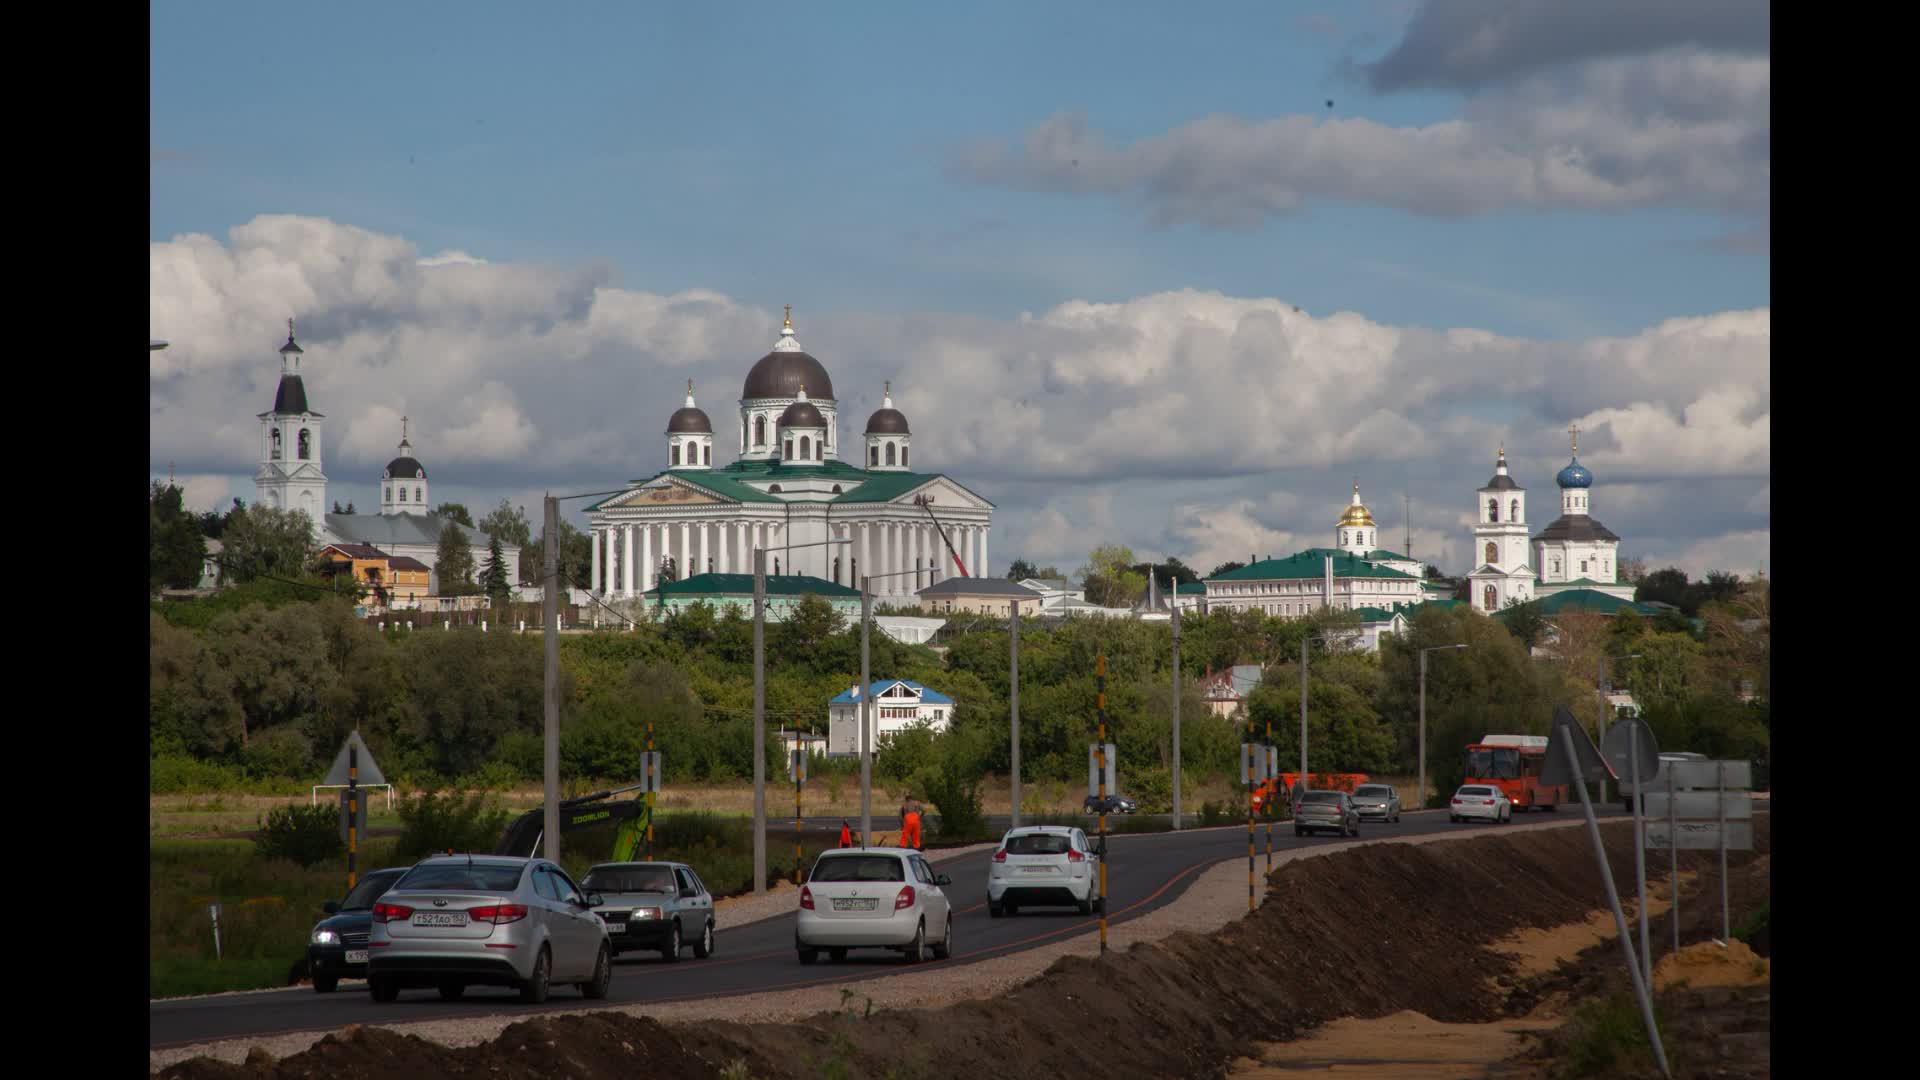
1217 897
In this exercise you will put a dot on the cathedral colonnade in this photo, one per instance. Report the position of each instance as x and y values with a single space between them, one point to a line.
627 556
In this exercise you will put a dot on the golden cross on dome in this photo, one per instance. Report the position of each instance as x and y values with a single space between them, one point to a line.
889 385
789 316
689 387
1573 429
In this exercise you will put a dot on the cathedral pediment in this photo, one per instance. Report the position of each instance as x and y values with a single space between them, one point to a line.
941 492
671 492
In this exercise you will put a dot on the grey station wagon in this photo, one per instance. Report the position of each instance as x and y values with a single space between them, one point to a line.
653 905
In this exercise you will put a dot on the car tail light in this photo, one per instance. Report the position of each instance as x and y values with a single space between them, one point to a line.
905 899
1074 856
1000 856
498 914
391 913
806 898
1486 802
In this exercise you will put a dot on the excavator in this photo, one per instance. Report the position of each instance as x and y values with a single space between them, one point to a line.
524 833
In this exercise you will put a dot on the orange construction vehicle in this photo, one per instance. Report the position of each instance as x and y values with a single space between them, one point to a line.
1277 788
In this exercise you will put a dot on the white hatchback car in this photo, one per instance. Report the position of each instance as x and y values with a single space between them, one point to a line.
873 898
1043 864
1480 801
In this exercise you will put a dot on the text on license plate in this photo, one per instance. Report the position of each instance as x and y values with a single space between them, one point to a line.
853 905
440 918
356 956
1037 869
616 928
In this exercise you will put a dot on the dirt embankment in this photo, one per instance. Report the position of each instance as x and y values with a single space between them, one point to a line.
1367 932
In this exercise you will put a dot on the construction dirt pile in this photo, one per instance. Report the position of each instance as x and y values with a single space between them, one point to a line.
1366 932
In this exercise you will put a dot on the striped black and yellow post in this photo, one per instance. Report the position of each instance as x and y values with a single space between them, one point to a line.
1273 791
1252 774
652 782
797 759
1100 764
353 810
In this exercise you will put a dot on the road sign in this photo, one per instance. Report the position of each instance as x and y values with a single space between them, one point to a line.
1629 736
360 817
1093 769
1700 835
1555 770
1706 774
649 772
797 764
369 772
1700 805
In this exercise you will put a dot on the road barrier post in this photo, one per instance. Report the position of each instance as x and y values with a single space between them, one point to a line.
650 787
1100 717
213 909
798 756
353 809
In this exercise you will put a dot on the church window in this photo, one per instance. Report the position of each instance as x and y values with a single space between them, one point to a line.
889 453
676 454
806 449
706 454
305 445
819 449
1556 566
1493 509
836 489
776 567
788 453
774 490
903 456
1493 555
276 444
1343 538
1583 566
389 492
417 496
1488 598
873 455
403 494
1514 511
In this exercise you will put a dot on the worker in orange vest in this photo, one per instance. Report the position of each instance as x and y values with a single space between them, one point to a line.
846 833
909 821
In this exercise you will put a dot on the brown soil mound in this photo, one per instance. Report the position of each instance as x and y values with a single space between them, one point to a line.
1366 932
1708 964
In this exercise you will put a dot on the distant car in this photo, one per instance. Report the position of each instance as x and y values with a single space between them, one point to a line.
1377 801
1326 810
1482 801
1116 804
873 898
455 921
1043 865
653 905
337 947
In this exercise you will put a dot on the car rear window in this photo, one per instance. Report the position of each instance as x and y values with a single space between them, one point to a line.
459 877
630 879
859 868
1370 791
1320 797
370 889
1038 844
1476 791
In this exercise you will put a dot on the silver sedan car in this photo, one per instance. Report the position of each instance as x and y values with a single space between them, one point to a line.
456 921
1326 810
1377 802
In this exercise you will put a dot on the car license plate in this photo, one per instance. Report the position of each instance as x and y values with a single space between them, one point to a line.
356 956
853 905
1036 869
440 918
616 928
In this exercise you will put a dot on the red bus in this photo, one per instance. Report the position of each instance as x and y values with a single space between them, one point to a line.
1512 764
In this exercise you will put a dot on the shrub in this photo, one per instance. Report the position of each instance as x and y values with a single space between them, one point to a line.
1152 789
954 793
174 774
308 835
283 751
1610 1037
1213 813
431 822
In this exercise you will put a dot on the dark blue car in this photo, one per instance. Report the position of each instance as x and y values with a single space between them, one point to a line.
337 949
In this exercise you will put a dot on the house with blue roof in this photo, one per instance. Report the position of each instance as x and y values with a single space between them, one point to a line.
897 705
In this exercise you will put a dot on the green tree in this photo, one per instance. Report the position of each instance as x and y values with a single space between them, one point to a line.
1667 586
265 540
453 562
493 576
807 628
1108 578
466 691
456 511
509 523
1225 568
576 557
1020 570
176 551
1524 621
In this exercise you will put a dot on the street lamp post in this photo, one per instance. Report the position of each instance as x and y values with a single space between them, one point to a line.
1600 693
1423 716
760 708
864 699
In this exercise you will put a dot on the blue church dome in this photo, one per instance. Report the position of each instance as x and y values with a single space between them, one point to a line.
1575 475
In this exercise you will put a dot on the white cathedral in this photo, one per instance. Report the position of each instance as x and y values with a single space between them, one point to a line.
791 488
1574 552
291 477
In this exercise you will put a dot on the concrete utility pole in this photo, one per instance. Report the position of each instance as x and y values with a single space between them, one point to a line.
1013 669
550 818
1176 705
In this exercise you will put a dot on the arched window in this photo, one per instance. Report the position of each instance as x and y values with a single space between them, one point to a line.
1556 566
1493 509
759 431
903 455
789 450
819 449
389 492
403 494
1488 598
1493 553
1513 511
774 490
676 454
305 445
706 454
873 455
1343 538
836 489
806 450
417 496
275 454
776 567
889 453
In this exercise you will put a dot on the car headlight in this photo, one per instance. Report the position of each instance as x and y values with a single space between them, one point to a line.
325 937
645 913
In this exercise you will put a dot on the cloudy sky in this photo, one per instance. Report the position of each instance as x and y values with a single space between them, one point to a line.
1168 277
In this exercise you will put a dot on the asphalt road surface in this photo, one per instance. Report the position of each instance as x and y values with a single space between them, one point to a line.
1144 872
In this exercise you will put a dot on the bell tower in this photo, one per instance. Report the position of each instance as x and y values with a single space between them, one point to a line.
290 476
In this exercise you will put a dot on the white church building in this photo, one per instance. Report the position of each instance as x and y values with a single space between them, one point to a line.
292 476
792 482
1575 552
1355 573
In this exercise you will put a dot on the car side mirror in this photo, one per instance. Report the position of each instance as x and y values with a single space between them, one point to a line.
942 879
330 907
593 900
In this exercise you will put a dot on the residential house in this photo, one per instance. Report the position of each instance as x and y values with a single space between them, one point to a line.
898 704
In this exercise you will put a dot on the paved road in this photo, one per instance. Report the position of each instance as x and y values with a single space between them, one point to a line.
1144 872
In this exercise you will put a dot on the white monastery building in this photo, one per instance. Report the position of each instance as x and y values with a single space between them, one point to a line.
1353 574
1574 552
792 482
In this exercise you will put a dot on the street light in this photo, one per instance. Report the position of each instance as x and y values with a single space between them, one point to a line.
1423 715
760 707
1599 692
866 703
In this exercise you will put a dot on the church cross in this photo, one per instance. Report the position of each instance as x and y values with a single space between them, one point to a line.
789 316
1573 429
403 429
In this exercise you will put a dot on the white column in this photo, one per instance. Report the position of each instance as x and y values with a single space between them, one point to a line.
704 530
888 559
866 551
983 551
626 575
595 579
973 550
917 553
720 564
646 557
686 550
